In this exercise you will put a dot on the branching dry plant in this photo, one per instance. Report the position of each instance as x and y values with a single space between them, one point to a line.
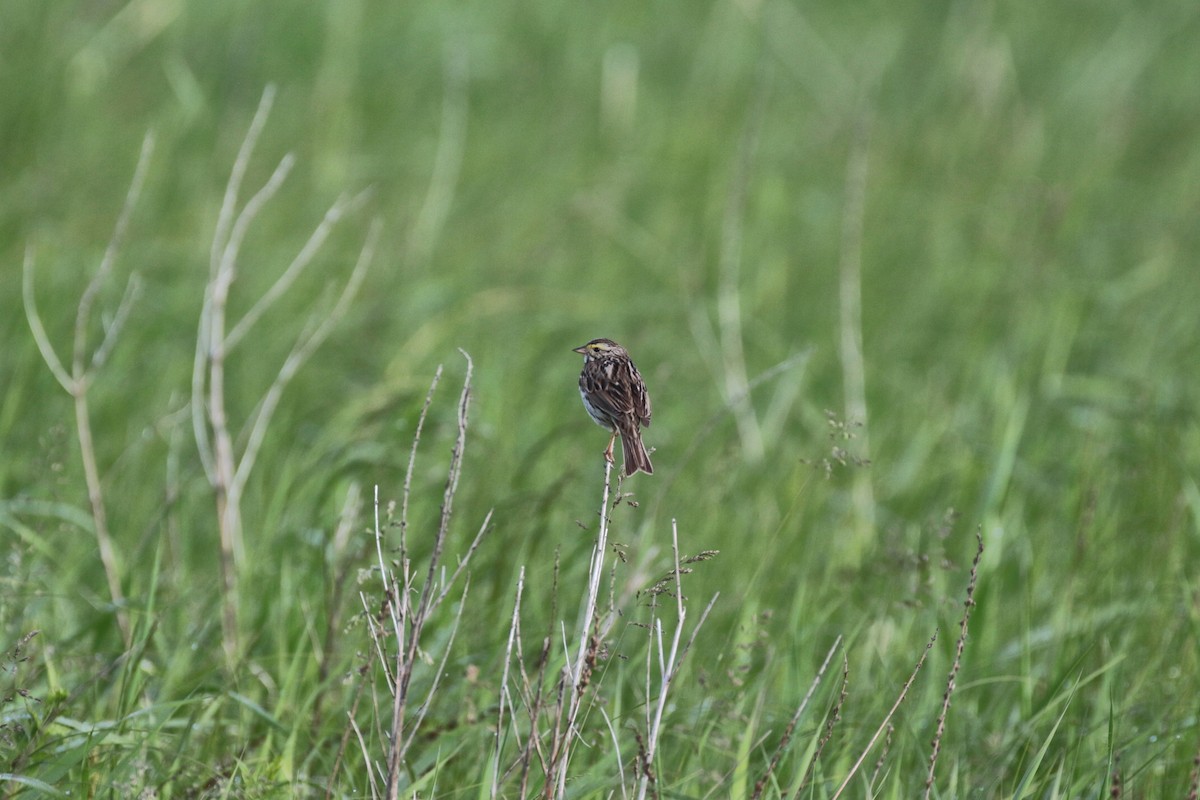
552 722
664 663
408 602
577 673
86 364
725 337
226 469
540 721
532 695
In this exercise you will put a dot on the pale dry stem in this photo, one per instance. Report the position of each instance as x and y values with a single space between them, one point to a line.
887 718
575 677
533 693
240 165
785 740
514 634
408 474
227 470
669 663
729 310
704 430
408 621
729 370
305 345
84 367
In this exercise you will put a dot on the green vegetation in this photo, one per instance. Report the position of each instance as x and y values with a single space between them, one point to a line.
995 204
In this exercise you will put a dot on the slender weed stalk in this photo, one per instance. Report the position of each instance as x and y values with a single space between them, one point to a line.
227 470
539 723
835 716
533 692
668 662
887 718
409 602
883 754
84 367
514 635
786 739
951 679
577 673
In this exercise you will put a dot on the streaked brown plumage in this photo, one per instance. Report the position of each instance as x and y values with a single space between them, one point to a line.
615 398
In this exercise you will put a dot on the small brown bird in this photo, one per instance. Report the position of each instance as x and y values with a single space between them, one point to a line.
615 398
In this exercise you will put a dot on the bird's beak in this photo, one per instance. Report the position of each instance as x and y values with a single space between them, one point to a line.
582 350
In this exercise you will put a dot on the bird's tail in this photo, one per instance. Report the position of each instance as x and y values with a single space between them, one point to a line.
636 457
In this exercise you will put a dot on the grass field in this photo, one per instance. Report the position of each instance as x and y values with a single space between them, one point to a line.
897 276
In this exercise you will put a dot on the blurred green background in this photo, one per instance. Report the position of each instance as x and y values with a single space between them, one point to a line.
678 177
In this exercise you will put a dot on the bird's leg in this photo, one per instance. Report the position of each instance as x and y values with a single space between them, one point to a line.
608 453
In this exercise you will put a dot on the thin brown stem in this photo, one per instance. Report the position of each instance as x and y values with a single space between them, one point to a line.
951 679
835 716
887 719
785 740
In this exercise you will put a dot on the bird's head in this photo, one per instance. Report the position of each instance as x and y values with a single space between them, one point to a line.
599 348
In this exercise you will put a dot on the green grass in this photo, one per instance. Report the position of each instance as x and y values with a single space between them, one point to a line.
1030 339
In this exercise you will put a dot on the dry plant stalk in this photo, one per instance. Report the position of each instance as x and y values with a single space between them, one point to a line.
951 684
883 754
575 677
226 470
514 635
407 608
85 366
887 718
346 526
789 371
785 740
835 716
541 723
669 664
532 692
